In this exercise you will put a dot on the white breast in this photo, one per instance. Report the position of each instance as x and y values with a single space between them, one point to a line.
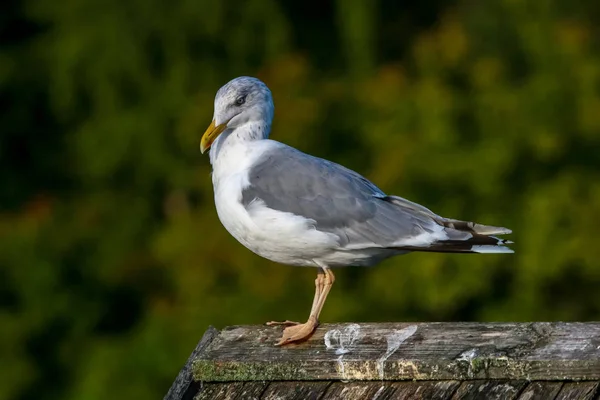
279 236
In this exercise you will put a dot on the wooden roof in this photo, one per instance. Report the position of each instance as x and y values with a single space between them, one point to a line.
397 361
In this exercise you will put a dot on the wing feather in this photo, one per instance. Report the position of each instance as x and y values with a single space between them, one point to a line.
342 202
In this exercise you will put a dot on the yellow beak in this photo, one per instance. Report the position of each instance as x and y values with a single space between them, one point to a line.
211 134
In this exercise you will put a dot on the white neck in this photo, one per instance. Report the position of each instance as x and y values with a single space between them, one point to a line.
249 132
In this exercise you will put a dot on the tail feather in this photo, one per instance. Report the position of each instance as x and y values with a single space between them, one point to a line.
465 237
495 246
474 227
476 244
462 236
479 238
491 249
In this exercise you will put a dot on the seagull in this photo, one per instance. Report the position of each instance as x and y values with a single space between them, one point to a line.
296 209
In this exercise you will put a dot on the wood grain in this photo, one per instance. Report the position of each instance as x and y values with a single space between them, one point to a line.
385 390
219 391
542 390
295 390
413 390
184 387
231 391
404 351
489 390
579 391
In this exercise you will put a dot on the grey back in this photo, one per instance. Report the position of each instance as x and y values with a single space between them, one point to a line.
339 200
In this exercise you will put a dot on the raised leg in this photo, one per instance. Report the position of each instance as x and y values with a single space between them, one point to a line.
299 332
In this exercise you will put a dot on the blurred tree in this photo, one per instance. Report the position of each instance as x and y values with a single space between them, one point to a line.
112 260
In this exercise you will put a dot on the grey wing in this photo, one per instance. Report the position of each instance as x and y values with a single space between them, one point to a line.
339 200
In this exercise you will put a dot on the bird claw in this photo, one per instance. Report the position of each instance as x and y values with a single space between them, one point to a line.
297 333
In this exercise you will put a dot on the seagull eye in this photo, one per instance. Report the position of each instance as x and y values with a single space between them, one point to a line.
240 100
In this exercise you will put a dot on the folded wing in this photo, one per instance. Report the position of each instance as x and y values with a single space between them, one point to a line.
344 203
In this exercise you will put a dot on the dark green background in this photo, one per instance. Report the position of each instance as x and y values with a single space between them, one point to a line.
112 260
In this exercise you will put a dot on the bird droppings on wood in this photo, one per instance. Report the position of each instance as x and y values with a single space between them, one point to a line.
394 340
342 340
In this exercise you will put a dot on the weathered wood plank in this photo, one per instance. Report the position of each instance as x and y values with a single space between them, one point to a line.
184 388
489 390
542 390
252 390
231 391
359 391
295 390
219 391
579 391
424 390
403 351
386 390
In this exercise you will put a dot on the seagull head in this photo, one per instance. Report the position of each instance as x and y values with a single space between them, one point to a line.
240 101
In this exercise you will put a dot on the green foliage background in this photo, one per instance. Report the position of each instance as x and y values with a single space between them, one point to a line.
112 260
